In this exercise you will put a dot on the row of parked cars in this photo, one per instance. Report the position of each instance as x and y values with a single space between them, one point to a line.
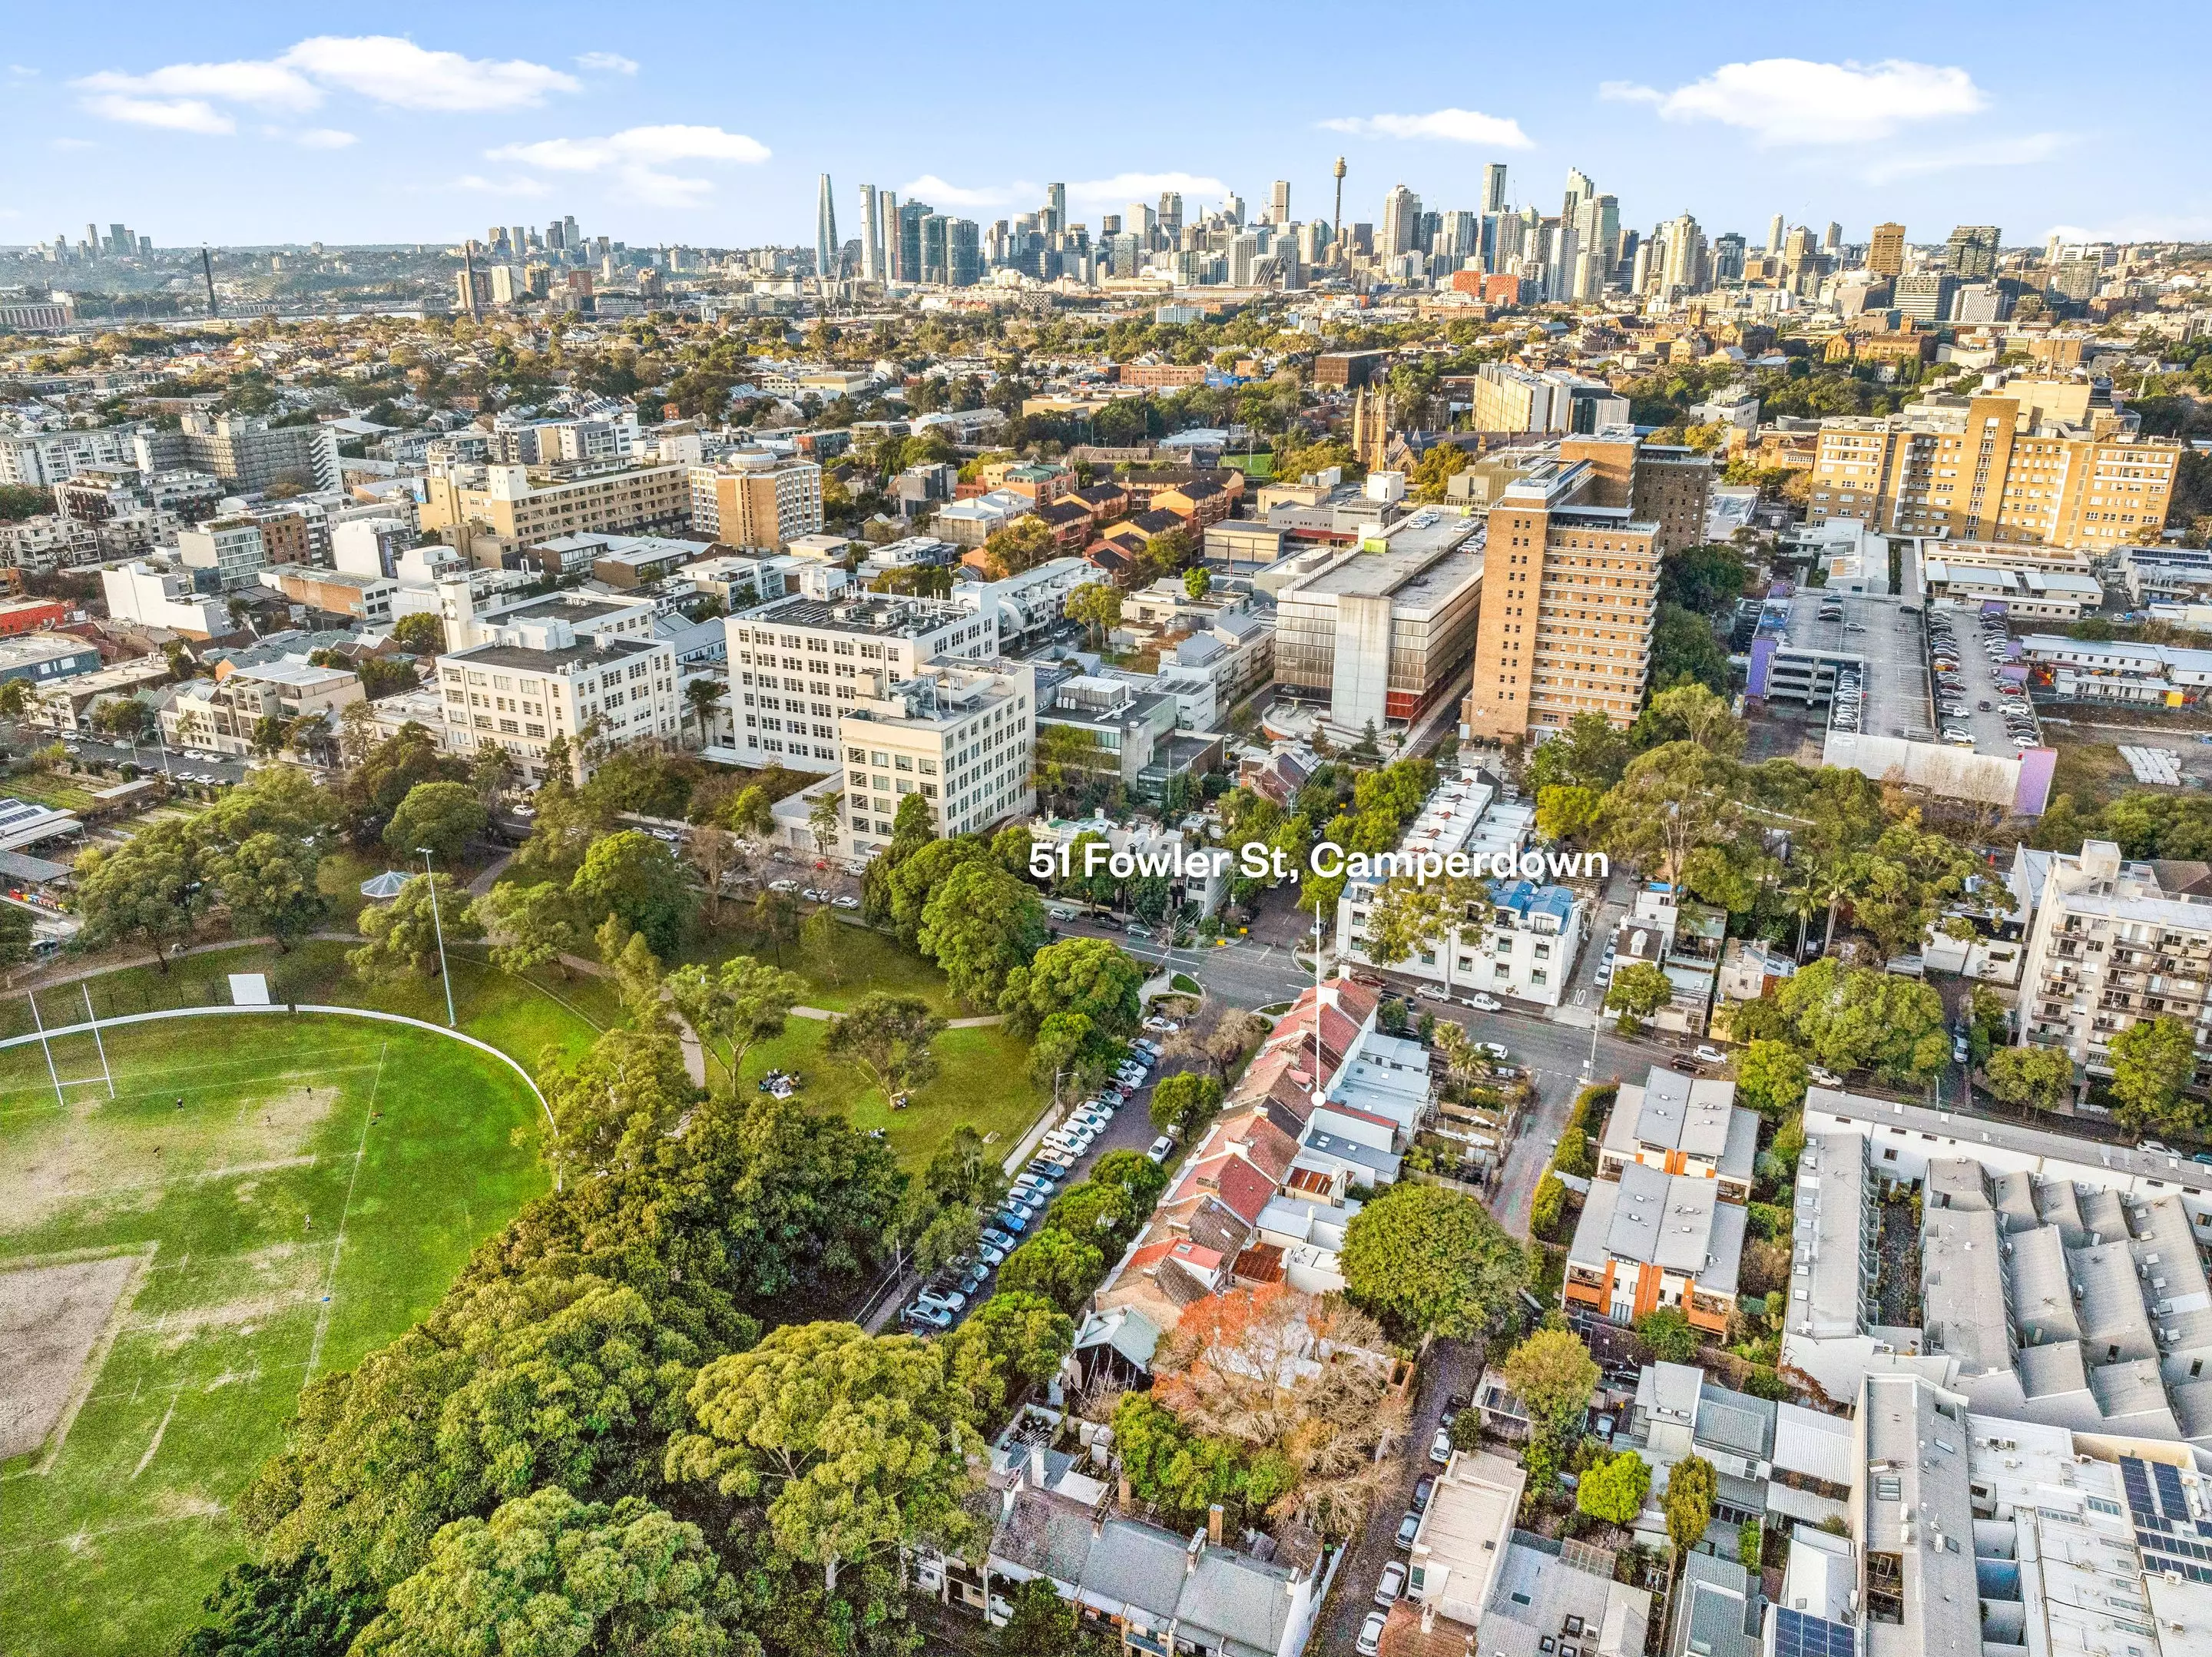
1392 1584
942 1301
1851 698
1952 690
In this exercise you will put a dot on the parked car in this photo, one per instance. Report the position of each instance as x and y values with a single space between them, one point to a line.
997 1238
991 1254
1409 1528
1826 1078
844 902
1060 913
1165 1026
1370 1634
927 1317
1053 1156
1440 1447
1136 932
1161 1148
1392 1584
1491 1049
1482 1003
1708 1053
1431 992
1050 1173
1008 1220
1028 1184
950 1300
1423 1489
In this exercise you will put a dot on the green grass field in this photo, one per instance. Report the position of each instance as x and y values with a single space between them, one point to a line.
323 1183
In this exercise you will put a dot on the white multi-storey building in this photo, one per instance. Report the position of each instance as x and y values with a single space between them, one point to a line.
795 665
43 459
959 735
2107 944
539 680
1029 602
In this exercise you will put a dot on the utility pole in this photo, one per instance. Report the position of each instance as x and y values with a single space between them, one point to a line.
439 927
207 274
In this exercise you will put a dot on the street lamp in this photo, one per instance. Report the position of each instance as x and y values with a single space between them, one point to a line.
438 927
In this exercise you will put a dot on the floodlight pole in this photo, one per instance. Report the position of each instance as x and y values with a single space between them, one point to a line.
439 927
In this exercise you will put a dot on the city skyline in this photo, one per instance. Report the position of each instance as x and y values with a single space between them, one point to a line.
449 122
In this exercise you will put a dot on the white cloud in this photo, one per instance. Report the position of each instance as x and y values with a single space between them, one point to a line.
1448 125
325 137
1144 187
477 184
1793 101
390 70
173 114
2024 150
636 157
381 68
607 63
72 143
23 71
934 190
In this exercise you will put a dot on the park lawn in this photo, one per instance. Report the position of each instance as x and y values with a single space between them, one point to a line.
520 1016
867 961
982 1081
402 1157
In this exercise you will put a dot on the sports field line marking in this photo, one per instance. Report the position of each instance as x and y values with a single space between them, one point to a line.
147 1459
331 1278
76 1541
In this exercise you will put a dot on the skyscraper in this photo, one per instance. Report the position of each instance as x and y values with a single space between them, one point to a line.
825 233
1774 235
871 236
1055 209
1493 187
1579 190
1972 254
1686 247
1171 216
1140 221
1832 242
1279 203
1401 212
1886 253
964 254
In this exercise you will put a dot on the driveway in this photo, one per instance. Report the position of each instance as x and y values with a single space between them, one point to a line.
1448 1367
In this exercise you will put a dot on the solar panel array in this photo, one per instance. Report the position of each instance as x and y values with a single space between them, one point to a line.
2170 1535
1797 1634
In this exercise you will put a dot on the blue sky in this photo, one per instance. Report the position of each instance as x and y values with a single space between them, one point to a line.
257 124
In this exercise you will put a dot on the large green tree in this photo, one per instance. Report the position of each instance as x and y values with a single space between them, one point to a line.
530 926
401 938
1693 1487
734 1007
1613 1490
1060 1265
887 1038
979 925
1638 989
2154 1063
443 817
268 884
638 878
547 1575
846 1444
1553 1374
1867 1018
1771 1077
2034 1078
614 1102
1093 977
1428 1261
150 891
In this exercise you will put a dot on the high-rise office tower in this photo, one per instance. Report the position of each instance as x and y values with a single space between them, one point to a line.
1832 242
1171 216
571 236
825 232
1279 203
872 237
1579 190
887 209
519 236
1401 212
1459 235
1728 252
1493 187
1774 235
1972 253
963 256
1232 208
556 239
934 229
1886 253
1054 219
909 240
1142 221
1686 247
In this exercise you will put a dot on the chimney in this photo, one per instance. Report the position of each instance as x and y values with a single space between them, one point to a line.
1213 1518
1036 1466
1191 1551
1122 1496
1428 1617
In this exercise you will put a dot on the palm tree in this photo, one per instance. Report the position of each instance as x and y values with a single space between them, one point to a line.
703 695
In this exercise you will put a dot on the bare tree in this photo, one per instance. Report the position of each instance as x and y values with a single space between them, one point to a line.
714 853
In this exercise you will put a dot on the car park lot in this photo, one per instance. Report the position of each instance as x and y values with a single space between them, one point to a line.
1129 1128
1974 703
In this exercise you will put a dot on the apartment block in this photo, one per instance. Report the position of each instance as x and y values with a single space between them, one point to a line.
539 680
1571 595
1679 1124
335 592
1651 1239
221 715
795 665
525 505
1380 629
961 736
2059 1280
233 549
161 598
2034 462
2108 945
757 501
245 451
45 460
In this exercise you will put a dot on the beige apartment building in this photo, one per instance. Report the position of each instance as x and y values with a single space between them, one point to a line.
1660 484
522 505
756 505
1570 589
538 679
960 735
221 715
2033 463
